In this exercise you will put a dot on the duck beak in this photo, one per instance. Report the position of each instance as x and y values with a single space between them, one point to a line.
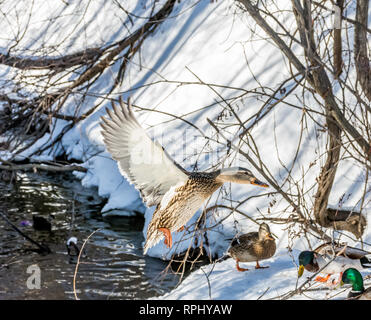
269 237
258 183
341 283
300 271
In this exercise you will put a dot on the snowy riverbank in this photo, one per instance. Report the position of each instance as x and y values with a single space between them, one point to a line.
202 43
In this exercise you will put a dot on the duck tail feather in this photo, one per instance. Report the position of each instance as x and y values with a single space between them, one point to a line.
366 261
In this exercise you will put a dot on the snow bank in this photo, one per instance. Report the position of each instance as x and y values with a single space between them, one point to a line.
201 40
221 281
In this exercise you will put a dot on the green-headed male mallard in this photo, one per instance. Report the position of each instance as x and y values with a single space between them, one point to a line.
176 193
358 292
348 257
253 246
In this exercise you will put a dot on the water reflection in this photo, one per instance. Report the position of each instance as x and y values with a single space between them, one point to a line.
113 266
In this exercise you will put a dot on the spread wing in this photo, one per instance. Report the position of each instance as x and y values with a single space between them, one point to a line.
143 162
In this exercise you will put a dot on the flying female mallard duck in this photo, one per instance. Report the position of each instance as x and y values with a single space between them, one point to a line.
343 257
253 246
358 292
176 193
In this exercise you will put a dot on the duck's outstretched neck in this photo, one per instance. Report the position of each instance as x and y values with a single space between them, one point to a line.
233 174
238 175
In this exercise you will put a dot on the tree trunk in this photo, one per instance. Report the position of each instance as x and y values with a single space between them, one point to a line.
322 85
361 57
338 60
335 119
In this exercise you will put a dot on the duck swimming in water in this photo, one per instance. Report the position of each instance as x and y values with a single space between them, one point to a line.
176 193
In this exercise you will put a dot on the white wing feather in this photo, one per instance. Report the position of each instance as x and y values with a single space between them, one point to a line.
143 162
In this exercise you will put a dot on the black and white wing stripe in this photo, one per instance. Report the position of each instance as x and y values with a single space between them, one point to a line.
143 162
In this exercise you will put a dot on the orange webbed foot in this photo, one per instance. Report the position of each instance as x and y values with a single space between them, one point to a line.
323 279
168 240
258 266
180 229
239 268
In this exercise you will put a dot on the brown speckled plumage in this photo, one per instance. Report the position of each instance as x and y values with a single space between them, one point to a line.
186 201
253 246
176 193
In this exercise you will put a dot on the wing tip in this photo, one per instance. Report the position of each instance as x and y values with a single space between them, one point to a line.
123 113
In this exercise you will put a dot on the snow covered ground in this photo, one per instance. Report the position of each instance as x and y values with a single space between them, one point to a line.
222 281
208 41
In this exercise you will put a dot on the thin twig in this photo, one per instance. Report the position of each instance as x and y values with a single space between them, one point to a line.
78 262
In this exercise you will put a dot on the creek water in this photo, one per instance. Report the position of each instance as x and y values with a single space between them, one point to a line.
112 265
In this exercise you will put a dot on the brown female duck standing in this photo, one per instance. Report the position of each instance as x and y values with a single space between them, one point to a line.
253 246
176 193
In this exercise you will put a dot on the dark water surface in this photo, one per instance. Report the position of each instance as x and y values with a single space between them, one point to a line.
113 266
